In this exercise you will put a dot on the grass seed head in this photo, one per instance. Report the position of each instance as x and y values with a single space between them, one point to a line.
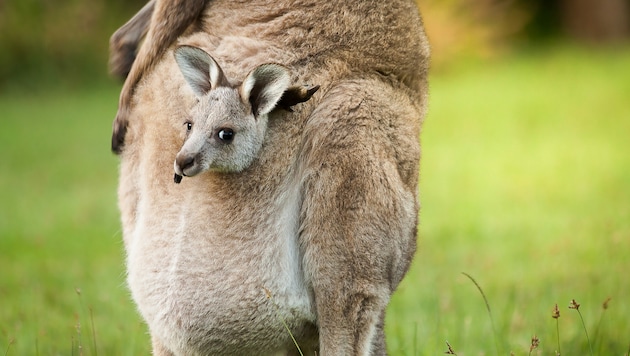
450 350
574 305
535 342
605 303
555 313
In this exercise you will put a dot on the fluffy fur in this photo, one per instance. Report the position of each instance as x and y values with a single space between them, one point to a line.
320 229
161 22
226 128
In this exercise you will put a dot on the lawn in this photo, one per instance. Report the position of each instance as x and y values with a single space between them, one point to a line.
525 186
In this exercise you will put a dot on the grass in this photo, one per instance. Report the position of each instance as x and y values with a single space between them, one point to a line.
525 186
59 228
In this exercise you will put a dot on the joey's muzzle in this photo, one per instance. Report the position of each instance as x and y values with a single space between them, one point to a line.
185 165
183 162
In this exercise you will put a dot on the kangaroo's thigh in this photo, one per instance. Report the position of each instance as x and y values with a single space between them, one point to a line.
359 215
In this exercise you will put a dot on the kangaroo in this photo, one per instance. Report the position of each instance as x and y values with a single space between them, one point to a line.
309 241
228 124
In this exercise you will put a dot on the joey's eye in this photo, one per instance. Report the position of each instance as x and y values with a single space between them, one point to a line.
188 125
226 135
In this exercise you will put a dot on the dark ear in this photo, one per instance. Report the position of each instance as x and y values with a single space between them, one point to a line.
124 42
295 95
263 87
118 136
199 69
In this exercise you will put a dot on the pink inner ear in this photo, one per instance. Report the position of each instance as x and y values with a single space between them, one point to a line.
263 87
199 69
217 77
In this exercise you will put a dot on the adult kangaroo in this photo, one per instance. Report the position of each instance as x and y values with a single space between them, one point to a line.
317 232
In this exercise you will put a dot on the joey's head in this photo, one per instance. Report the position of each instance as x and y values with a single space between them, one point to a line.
227 126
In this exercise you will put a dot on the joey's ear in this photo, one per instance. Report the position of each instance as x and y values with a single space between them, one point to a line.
199 69
264 87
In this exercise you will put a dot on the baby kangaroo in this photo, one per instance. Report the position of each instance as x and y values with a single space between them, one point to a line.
227 127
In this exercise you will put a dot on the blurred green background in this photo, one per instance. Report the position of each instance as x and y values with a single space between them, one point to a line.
525 182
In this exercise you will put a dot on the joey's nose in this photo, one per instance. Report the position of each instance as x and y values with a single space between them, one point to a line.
185 162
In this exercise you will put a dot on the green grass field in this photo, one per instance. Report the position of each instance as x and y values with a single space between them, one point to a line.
525 186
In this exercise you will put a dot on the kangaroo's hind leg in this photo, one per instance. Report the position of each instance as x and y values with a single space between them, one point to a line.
359 213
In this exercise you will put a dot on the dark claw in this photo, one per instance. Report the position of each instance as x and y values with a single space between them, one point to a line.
296 95
310 91
177 178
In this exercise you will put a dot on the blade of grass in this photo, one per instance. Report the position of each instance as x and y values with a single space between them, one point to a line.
415 338
494 330
555 313
11 341
599 324
575 305
269 297
93 332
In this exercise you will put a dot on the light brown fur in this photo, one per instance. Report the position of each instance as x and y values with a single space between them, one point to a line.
161 22
319 230
168 20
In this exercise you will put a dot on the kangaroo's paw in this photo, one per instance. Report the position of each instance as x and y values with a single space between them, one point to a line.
119 129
